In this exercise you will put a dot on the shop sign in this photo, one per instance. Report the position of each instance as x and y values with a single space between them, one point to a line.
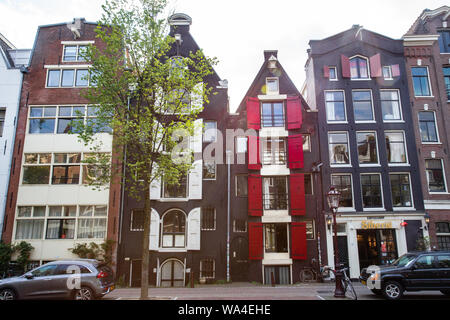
375 225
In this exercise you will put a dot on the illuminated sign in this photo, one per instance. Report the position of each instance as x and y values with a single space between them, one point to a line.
373 225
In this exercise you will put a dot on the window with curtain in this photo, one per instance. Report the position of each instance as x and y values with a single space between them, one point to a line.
359 68
396 148
367 147
390 105
92 222
338 148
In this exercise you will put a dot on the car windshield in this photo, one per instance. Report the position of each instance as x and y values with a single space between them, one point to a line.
403 260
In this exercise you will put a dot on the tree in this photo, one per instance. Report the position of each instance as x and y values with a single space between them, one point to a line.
149 98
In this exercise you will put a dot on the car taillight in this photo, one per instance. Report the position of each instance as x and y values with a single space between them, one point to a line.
102 274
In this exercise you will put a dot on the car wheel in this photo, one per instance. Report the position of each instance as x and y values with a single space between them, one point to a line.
85 293
446 292
378 292
392 290
7 294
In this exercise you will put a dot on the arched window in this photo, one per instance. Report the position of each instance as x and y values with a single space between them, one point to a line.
174 229
359 68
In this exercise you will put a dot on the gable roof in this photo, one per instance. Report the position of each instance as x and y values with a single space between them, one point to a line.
5 46
419 26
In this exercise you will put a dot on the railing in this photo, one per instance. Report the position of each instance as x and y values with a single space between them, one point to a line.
273 120
275 201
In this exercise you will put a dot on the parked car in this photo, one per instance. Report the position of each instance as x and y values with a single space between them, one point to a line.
415 271
82 279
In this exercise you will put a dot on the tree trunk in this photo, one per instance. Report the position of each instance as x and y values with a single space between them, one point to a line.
145 243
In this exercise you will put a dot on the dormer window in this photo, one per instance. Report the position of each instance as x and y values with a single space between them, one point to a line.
359 68
272 86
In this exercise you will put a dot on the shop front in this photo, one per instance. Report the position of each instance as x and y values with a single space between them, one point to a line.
374 240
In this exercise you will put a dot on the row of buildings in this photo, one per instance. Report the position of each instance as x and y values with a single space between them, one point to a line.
370 119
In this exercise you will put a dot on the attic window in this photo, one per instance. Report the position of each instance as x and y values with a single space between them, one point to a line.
272 86
359 68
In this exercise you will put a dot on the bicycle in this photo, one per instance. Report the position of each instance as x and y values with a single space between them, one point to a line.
308 274
347 285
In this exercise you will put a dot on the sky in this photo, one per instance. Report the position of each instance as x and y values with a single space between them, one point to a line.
237 32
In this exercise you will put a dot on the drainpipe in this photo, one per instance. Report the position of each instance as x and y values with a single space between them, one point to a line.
228 152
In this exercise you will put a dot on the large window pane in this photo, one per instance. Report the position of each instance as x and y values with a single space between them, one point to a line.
66 174
53 78
401 190
362 105
82 78
42 126
176 190
367 147
395 144
390 105
358 68
338 148
60 229
67 77
276 238
435 175
335 106
427 127
420 81
91 228
343 183
36 174
70 53
371 191
29 229
273 114
174 228
275 194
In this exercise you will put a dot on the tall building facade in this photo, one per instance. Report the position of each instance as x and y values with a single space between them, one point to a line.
427 54
357 81
276 186
12 61
49 203
188 221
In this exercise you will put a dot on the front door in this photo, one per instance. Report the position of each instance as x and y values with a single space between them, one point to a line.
376 247
136 267
239 259
172 274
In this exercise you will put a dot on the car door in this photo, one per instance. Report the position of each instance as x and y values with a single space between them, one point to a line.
443 262
424 273
39 283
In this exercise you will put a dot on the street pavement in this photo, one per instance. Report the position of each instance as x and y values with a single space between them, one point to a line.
249 291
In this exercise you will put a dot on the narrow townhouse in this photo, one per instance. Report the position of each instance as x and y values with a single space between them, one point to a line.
188 221
357 81
427 54
49 204
12 63
276 188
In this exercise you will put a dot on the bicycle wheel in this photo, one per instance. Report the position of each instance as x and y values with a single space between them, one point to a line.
350 290
306 276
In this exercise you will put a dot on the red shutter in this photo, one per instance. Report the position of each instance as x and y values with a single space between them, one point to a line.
295 151
375 66
255 241
297 194
395 70
254 161
294 113
253 114
298 239
255 201
326 71
345 64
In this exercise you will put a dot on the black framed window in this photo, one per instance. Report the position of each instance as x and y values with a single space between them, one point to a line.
208 218
444 41
275 195
435 175
371 191
343 183
242 185
400 190
137 220
272 114
446 71
427 126
420 81
276 237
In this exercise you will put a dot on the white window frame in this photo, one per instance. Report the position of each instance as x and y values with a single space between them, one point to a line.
412 207
443 174
277 80
377 164
175 199
60 68
345 108
429 82
382 208
75 44
399 105
348 149
371 102
394 164
346 209
435 124
389 70
368 68
335 72
161 233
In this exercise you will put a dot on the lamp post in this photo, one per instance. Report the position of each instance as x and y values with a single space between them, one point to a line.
333 202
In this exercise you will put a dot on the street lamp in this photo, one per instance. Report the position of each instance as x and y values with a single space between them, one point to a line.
333 197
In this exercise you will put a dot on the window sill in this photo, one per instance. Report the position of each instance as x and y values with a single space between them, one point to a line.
424 97
399 165
364 121
171 249
337 122
393 121
432 143
345 210
403 209
373 209
370 165
357 79
173 199
340 165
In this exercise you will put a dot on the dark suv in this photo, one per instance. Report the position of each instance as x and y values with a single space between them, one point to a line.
413 271
82 279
